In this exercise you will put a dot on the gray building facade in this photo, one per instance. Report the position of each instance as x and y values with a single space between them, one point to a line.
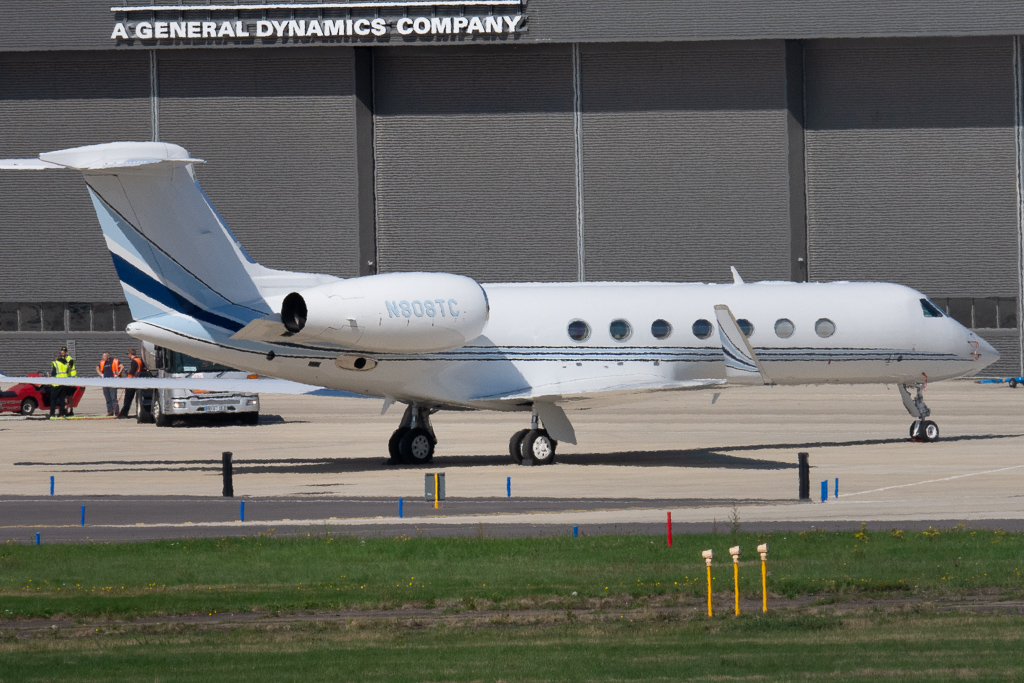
547 140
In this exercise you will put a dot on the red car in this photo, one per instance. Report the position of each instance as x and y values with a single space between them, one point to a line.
27 398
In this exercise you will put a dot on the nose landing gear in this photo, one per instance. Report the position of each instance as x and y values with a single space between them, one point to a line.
921 429
413 442
534 444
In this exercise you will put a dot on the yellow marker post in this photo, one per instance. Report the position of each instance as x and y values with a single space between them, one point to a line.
735 552
763 549
708 555
436 491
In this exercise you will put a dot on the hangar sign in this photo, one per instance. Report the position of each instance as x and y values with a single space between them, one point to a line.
313 22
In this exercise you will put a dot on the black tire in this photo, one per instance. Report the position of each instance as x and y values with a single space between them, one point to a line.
393 443
159 417
417 447
1012 382
539 446
929 431
515 446
28 406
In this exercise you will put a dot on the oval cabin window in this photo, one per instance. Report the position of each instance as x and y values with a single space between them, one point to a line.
620 330
702 329
579 331
824 328
746 327
661 329
784 328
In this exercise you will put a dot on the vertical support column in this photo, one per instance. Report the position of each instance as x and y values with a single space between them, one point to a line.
795 160
1018 112
154 96
366 199
577 120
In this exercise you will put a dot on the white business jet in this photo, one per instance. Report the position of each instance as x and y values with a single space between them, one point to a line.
437 341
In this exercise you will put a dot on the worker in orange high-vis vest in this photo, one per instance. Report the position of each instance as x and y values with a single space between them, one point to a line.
109 367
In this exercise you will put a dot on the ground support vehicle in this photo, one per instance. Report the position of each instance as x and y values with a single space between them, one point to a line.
164 406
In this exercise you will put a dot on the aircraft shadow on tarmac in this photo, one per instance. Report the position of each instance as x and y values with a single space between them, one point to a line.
702 458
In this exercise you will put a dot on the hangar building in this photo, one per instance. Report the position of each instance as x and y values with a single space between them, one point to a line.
542 140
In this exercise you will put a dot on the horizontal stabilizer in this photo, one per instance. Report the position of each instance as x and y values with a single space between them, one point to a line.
742 365
27 165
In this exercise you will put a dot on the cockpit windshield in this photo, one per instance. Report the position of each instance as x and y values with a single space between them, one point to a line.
930 309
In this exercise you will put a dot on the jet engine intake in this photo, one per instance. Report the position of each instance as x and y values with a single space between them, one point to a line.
394 312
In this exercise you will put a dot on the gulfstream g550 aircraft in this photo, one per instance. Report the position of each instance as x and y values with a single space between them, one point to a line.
437 341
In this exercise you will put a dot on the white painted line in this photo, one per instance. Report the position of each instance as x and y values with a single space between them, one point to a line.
928 481
314 5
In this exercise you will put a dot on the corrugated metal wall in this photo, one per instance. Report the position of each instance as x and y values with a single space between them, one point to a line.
684 161
475 162
53 249
24 353
277 129
911 165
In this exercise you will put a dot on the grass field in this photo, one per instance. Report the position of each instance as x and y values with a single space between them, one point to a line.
941 604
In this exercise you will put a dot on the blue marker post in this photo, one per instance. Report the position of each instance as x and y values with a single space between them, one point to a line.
51 484
399 507
508 486
836 491
575 531
83 515
241 511
37 538
824 491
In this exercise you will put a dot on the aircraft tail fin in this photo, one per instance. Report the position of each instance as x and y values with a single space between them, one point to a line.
173 252
742 365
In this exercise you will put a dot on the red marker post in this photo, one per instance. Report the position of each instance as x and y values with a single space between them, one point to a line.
669 529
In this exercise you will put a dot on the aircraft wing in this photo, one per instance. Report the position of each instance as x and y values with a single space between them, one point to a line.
254 386
598 388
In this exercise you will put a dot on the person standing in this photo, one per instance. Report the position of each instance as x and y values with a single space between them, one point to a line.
136 367
69 392
109 367
58 368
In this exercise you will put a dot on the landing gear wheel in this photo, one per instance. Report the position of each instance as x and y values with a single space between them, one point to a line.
515 446
915 430
417 446
929 431
539 446
28 406
1012 382
393 442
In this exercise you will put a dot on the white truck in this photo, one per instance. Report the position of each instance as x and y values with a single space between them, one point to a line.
163 406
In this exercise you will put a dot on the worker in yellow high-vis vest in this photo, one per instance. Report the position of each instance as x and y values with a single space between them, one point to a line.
61 397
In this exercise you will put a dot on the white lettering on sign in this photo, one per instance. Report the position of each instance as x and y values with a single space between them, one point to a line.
319 28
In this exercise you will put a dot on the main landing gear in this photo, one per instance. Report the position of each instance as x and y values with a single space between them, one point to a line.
413 442
533 446
921 429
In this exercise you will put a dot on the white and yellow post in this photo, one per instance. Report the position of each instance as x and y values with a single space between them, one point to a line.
763 549
708 555
735 552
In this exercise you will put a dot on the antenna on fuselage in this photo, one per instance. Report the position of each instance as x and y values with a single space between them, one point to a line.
736 279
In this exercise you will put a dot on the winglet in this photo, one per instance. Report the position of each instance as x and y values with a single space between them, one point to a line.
742 365
736 279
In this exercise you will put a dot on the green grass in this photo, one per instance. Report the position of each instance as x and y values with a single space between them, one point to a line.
321 572
904 646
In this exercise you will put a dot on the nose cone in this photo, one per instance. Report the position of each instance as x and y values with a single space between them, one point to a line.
986 353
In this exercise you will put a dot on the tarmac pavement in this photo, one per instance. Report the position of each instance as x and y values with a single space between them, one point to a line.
317 463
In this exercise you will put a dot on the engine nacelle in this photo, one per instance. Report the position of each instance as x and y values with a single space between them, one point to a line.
395 312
